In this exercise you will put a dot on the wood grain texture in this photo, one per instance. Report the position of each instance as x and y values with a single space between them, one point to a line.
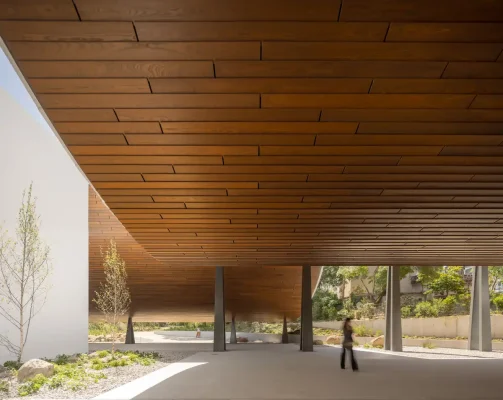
266 134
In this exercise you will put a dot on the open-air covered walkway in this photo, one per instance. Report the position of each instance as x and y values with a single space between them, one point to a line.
267 371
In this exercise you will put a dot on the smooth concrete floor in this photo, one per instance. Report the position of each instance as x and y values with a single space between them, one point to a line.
272 371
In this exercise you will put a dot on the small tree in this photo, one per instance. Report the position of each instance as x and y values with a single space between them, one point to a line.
113 297
24 270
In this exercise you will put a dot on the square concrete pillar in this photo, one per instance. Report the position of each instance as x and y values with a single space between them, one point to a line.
130 331
306 330
219 328
393 334
284 336
480 313
234 338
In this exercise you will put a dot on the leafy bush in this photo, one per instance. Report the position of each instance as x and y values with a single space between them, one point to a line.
446 306
362 331
428 345
406 311
498 302
4 387
326 305
103 353
426 309
33 385
62 359
365 310
13 365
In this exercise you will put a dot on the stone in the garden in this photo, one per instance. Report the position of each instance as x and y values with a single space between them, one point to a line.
318 342
334 339
378 341
34 367
242 340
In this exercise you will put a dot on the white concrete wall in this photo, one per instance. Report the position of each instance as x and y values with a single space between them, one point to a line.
445 327
30 152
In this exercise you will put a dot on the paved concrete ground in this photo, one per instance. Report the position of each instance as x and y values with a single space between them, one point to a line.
270 371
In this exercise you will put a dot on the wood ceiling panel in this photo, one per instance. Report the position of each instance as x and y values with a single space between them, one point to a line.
116 69
426 10
329 69
38 10
381 51
229 139
260 30
201 10
367 101
67 30
445 32
252 135
89 85
261 127
264 85
475 86
218 115
103 127
158 51
149 100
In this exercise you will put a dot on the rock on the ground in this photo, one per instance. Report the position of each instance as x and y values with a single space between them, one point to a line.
334 339
242 340
34 367
378 341
318 342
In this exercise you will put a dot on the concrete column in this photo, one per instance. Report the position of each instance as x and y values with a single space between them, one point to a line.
219 328
284 337
393 334
480 317
130 331
306 311
387 331
396 311
234 338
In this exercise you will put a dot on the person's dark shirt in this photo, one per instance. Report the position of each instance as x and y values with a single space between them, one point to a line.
348 334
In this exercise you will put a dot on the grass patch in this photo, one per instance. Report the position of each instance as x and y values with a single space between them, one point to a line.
429 345
4 387
363 331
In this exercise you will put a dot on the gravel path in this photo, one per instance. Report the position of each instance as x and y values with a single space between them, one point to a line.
442 353
115 377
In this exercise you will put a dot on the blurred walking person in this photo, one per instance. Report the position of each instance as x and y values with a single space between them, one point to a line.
347 345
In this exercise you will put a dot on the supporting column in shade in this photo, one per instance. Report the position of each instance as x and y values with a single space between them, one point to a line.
130 331
387 332
284 337
480 317
234 338
306 339
393 334
219 327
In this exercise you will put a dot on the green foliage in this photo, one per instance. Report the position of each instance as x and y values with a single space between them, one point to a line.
104 328
32 386
446 306
103 353
326 332
4 387
495 276
365 310
363 331
443 281
498 302
61 359
326 305
428 345
15 365
426 309
330 278
406 311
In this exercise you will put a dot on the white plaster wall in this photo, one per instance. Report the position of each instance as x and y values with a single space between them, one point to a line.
30 152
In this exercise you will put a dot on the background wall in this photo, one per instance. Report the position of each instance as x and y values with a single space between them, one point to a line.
30 152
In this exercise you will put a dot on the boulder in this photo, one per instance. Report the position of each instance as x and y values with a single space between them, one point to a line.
242 340
334 339
34 367
378 341
318 342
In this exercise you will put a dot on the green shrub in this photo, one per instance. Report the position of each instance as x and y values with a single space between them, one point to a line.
498 302
32 386
426 309
365 310
13 365
103 353
4 387
362 331
428 345
61 359
446 306
406 311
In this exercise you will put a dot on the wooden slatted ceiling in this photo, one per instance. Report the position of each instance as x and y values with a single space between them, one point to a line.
278 132
161 292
